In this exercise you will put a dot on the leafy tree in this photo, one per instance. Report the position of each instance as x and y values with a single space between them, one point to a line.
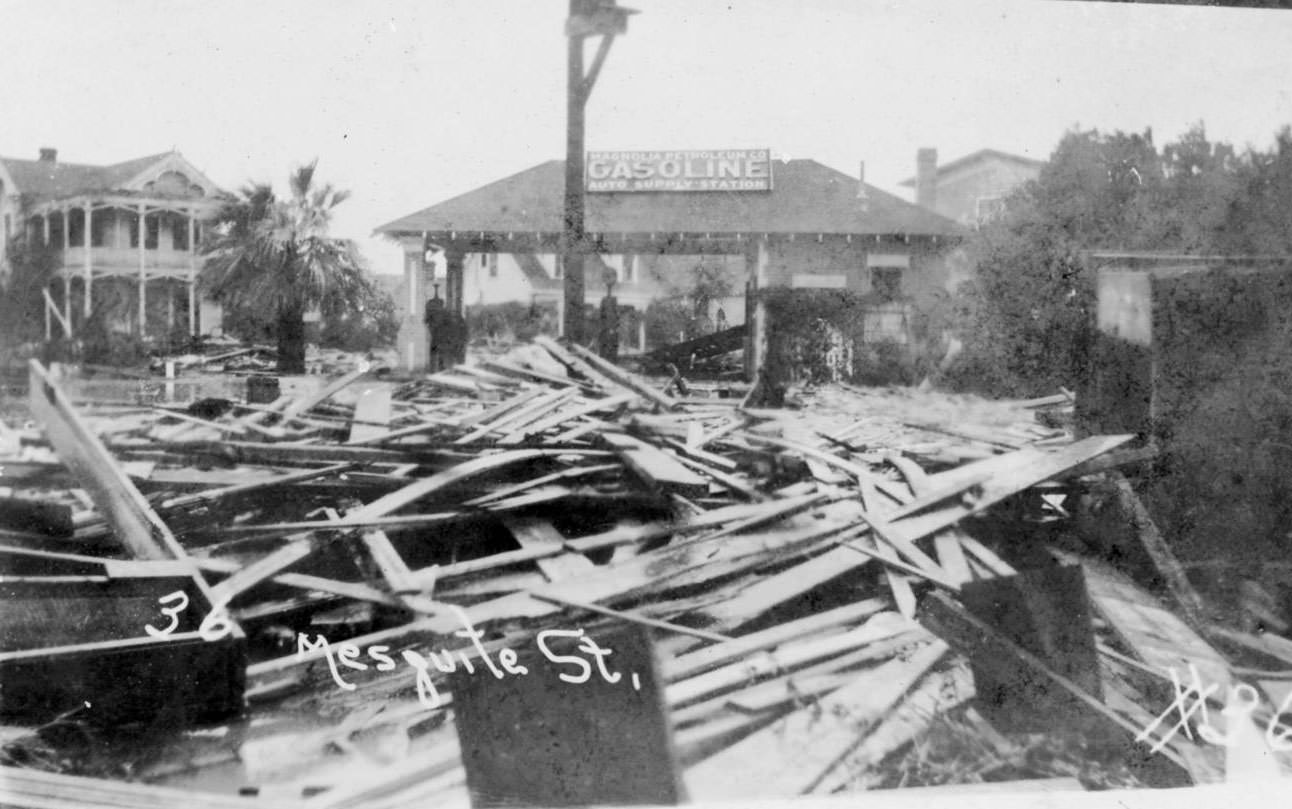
1026 314
273 257
31 267
359 324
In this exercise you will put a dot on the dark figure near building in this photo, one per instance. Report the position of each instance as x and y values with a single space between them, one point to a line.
608 336
437 327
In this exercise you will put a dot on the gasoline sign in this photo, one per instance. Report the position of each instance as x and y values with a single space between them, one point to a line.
718 170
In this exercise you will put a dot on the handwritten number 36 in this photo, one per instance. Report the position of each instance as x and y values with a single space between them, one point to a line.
214 626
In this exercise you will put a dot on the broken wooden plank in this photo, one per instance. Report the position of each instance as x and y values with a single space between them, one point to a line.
657 469
133 521
371 415
1156 635
303 404
713 656
534 533
787 657
563 356
535 410
630 617
1038 682
31 788
774 590
793 753
224 492
624 379
586 408
1024 469
1177 581
935 695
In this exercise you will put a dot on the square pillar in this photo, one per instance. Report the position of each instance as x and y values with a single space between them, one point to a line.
413 340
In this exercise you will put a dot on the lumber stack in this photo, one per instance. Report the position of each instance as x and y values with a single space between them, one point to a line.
800 571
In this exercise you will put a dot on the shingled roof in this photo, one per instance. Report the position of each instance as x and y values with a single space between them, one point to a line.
807 197
47 179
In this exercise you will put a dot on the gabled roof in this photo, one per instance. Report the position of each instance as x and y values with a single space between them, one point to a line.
48 179
978 156
807 197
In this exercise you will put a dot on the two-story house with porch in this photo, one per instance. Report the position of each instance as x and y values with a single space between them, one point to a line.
126 239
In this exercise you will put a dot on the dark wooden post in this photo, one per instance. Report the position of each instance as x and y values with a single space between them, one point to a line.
572 246
454 277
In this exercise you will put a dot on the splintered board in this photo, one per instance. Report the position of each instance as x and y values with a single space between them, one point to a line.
656 468
537 739
1155 634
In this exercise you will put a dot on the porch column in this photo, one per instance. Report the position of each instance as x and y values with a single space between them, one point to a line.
143 273
67 301
89 262
192 275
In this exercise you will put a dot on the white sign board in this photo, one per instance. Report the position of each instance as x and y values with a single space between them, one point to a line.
699 170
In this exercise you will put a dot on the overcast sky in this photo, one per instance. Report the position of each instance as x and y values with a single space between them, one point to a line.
410 102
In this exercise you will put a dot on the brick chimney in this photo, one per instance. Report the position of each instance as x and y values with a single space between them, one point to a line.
926 170
48 154
861 185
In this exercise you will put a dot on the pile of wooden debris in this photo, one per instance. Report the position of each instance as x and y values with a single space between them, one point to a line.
231 603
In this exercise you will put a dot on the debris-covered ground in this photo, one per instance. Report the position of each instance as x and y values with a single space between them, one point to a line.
849 594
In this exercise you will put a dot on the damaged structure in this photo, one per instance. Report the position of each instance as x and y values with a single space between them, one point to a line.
377 591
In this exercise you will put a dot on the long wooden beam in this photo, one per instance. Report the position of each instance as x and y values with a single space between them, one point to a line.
133 521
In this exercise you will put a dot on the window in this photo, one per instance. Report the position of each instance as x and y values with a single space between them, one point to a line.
490 261
197 234
886 282
76 227
102 224
132 225
988 208
179 232
630 269
152 231
55 229
885 324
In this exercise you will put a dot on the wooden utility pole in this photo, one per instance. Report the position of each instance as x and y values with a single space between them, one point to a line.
574 247
587 18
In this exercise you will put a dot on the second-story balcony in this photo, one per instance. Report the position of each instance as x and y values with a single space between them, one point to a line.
126 260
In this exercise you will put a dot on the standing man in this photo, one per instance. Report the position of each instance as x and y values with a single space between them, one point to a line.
437 327
608 336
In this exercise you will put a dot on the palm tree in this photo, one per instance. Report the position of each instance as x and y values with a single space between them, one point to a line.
274 258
